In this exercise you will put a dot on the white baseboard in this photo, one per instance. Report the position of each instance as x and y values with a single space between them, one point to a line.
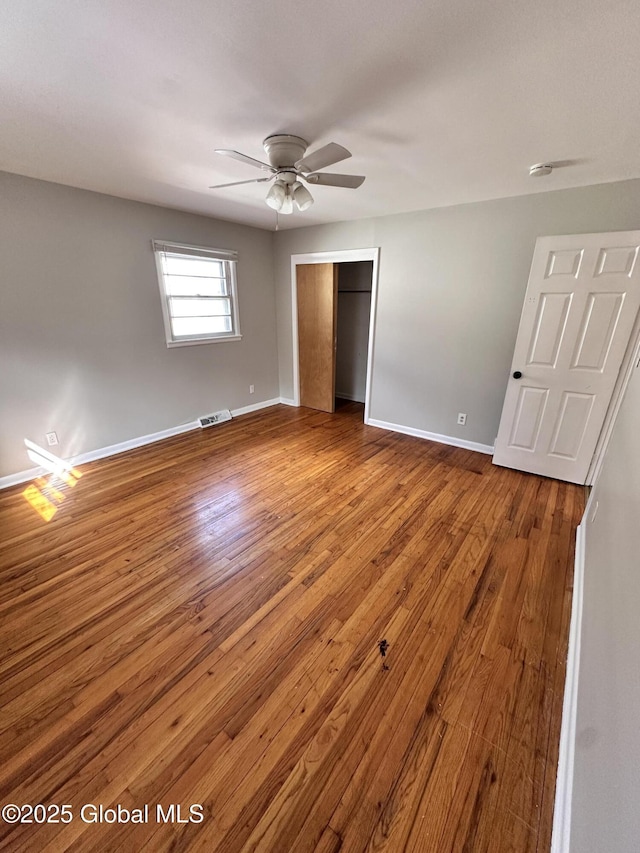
561 837
100 453
254 407
432 436
287 402
114 449
20 477
121 447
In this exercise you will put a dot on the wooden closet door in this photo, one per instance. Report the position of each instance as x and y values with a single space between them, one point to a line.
317 292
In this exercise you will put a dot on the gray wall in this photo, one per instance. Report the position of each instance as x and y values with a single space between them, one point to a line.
606 787
450 293
82 345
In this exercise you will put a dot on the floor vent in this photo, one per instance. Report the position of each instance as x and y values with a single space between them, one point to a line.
216 418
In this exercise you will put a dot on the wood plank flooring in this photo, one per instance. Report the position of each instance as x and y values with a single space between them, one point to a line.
199 624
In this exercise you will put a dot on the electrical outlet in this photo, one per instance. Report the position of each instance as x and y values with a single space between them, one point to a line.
462 418
252 388
52 438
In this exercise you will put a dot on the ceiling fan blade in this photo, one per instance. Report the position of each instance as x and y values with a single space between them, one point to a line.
351 182
325 156
238 183
236 155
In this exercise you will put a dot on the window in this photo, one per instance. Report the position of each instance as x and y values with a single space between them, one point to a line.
198 288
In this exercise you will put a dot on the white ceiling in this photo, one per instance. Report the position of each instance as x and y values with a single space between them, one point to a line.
440 101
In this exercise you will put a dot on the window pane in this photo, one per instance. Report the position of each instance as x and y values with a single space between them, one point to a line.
188 326
199 291
183 285
199 307
192 266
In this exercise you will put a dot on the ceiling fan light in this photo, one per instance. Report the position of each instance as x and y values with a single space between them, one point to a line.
287 203
302 196
276 196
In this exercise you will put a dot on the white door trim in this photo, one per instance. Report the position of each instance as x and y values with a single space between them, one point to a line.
561 834
335 257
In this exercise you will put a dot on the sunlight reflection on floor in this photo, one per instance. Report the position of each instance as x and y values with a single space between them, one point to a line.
45 494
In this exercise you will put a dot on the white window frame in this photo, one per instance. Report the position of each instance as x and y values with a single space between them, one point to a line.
229 259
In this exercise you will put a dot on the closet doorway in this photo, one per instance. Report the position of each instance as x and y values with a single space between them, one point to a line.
333 300
354 314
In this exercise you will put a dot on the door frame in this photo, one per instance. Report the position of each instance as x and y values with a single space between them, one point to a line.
335 257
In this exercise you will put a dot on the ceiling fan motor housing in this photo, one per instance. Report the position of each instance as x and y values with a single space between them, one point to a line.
284 150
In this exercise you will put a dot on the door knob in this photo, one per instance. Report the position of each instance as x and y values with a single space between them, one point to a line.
517 374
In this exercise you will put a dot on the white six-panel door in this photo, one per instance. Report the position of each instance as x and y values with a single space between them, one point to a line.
579 310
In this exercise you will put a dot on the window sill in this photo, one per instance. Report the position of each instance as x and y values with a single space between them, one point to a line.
194 341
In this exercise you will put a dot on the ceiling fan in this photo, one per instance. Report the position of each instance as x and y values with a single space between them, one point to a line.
288 165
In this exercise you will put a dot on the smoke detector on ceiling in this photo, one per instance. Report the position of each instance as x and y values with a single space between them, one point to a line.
540 169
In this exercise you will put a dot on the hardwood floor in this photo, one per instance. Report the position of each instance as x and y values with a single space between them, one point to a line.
199 624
